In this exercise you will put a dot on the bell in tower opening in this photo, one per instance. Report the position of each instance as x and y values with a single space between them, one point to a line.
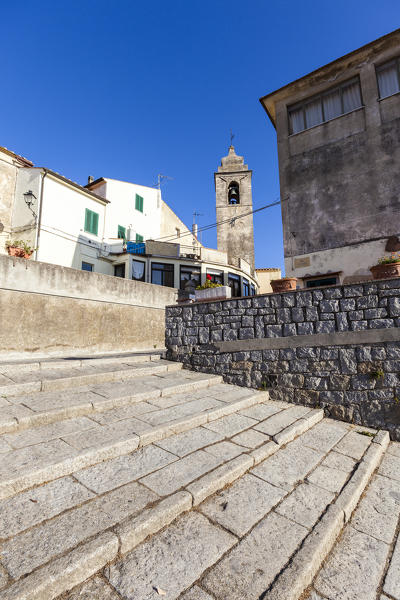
233 205
233 193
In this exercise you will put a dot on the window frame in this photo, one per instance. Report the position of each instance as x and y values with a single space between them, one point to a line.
117 267
245 287
303 103
154 268
91 224
216 277
91 270
382 67
235 278
143 278
187 269
139 202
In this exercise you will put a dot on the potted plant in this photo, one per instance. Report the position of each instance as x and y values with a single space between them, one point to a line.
212 291
387 267
19 248
284 284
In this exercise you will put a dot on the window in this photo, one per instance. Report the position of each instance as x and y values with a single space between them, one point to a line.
121 232
321 282
162 274
87 266
216 276
139 238
246 287
389 78
139 203
337 101
189 273
119 270
234 284
138 270
91 221
233 193
252 290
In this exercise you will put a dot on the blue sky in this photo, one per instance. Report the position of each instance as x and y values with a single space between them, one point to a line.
128 89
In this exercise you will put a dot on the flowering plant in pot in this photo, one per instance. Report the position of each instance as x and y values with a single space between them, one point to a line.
19 248
284 284
212 291
388 266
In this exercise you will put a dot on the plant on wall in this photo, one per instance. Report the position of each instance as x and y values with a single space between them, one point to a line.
208 284
19 248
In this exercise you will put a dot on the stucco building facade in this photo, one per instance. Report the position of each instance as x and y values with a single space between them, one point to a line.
338 134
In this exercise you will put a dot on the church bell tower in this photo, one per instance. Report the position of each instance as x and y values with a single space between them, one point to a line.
233 199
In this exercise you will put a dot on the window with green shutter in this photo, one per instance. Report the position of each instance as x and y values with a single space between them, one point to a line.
122 232
139 203
139 238
91 221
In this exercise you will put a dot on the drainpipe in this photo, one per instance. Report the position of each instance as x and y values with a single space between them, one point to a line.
37 240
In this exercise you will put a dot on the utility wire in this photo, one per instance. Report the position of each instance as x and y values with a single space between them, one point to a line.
212 225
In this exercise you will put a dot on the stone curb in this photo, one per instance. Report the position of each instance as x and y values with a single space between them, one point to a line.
64 383
66 572
151 520
219 478
307 561
298 427
93 456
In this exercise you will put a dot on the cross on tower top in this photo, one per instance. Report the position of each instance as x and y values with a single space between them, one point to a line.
232 136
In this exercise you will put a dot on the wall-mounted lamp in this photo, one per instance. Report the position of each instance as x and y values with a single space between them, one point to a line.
29 198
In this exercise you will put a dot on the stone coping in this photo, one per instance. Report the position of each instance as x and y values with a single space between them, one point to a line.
339 338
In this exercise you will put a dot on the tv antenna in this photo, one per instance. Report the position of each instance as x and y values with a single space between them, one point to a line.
160 179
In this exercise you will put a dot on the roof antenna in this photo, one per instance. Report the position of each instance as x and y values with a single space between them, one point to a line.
160 179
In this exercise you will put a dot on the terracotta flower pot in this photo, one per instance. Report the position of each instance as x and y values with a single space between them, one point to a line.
16 251
283 285
386 271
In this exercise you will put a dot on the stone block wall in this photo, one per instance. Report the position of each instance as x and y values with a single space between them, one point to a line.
336 348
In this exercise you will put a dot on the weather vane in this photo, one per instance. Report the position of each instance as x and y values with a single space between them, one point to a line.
232 136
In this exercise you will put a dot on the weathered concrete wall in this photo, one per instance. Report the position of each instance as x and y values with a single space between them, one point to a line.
51 309
337 347
340 182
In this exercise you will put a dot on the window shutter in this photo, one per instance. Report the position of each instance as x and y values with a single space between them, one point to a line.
95 223
87 219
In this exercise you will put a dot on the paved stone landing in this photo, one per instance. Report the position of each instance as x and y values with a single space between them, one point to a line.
175 484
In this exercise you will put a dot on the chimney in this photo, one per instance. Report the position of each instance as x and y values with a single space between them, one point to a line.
90 179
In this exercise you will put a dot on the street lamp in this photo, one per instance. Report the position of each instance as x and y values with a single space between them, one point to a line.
29 198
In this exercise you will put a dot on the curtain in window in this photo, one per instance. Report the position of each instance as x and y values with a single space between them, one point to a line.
313 112
296 120
388 81
137 270
332 105
351 97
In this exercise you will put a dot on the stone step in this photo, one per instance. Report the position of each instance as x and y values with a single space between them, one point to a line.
45 453
80 361
42 408
15 382
261 537
58 534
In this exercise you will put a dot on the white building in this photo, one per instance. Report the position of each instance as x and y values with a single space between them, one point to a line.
89 227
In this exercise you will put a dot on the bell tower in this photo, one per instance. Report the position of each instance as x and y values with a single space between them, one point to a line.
233 199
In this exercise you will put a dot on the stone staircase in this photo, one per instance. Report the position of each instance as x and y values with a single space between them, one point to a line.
128 477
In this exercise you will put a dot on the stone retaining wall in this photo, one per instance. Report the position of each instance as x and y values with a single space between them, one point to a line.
336 348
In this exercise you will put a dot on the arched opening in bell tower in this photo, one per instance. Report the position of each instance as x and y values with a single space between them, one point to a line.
233 193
